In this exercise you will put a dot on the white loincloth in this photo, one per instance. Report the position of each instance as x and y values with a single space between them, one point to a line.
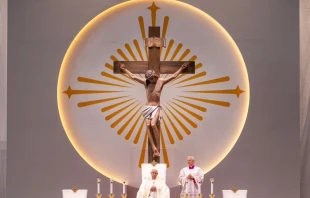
149 112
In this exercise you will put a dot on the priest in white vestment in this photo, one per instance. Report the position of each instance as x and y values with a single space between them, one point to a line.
191 178
153 187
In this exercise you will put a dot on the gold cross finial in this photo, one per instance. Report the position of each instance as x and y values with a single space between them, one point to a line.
74 189
153 9
154 163
234 189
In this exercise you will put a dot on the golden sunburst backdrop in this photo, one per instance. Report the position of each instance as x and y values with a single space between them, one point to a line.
202 114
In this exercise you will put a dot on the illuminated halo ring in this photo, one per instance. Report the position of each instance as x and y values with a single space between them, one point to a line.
203 114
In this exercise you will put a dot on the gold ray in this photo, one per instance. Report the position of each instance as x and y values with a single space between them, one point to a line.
176 51
201 74
127 46
164 149
127 137
114 124
171 42
165 27
143 150
215 102
89 80
146 53
121 53
199 65
109 66
93 102
186 130
135 42
105 74
113 58
136 140
141 23
193 124
188 111
236 91
193 58
217 80
185 53
153 9
117 112
177 132
114 105
200 108
71 92
121 130
171 140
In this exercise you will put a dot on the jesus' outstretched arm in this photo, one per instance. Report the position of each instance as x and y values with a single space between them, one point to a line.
123 67
177 73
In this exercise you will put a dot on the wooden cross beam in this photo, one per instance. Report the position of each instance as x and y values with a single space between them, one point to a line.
160 67
154 63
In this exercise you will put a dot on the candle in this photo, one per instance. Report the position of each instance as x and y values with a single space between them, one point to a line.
199 188
124 187
111 186
98 185
212 180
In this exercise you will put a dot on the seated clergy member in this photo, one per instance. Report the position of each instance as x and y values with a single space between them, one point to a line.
153 187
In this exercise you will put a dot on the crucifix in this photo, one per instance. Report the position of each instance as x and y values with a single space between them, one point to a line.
150 67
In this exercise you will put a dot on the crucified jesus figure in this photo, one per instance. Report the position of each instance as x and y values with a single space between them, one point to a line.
153 87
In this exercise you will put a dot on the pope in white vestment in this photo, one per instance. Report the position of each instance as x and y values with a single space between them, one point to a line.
191 178
153 187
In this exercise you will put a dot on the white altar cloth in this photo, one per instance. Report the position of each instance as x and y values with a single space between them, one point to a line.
238 194
68 193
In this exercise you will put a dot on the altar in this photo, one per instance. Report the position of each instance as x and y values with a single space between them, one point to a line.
74 193
234 193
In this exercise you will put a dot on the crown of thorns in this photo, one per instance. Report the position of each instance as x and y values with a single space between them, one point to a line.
149 74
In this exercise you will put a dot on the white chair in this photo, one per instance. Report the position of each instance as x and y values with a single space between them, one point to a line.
146 170
235 193
74 193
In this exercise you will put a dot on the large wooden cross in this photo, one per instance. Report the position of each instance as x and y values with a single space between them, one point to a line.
160 67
